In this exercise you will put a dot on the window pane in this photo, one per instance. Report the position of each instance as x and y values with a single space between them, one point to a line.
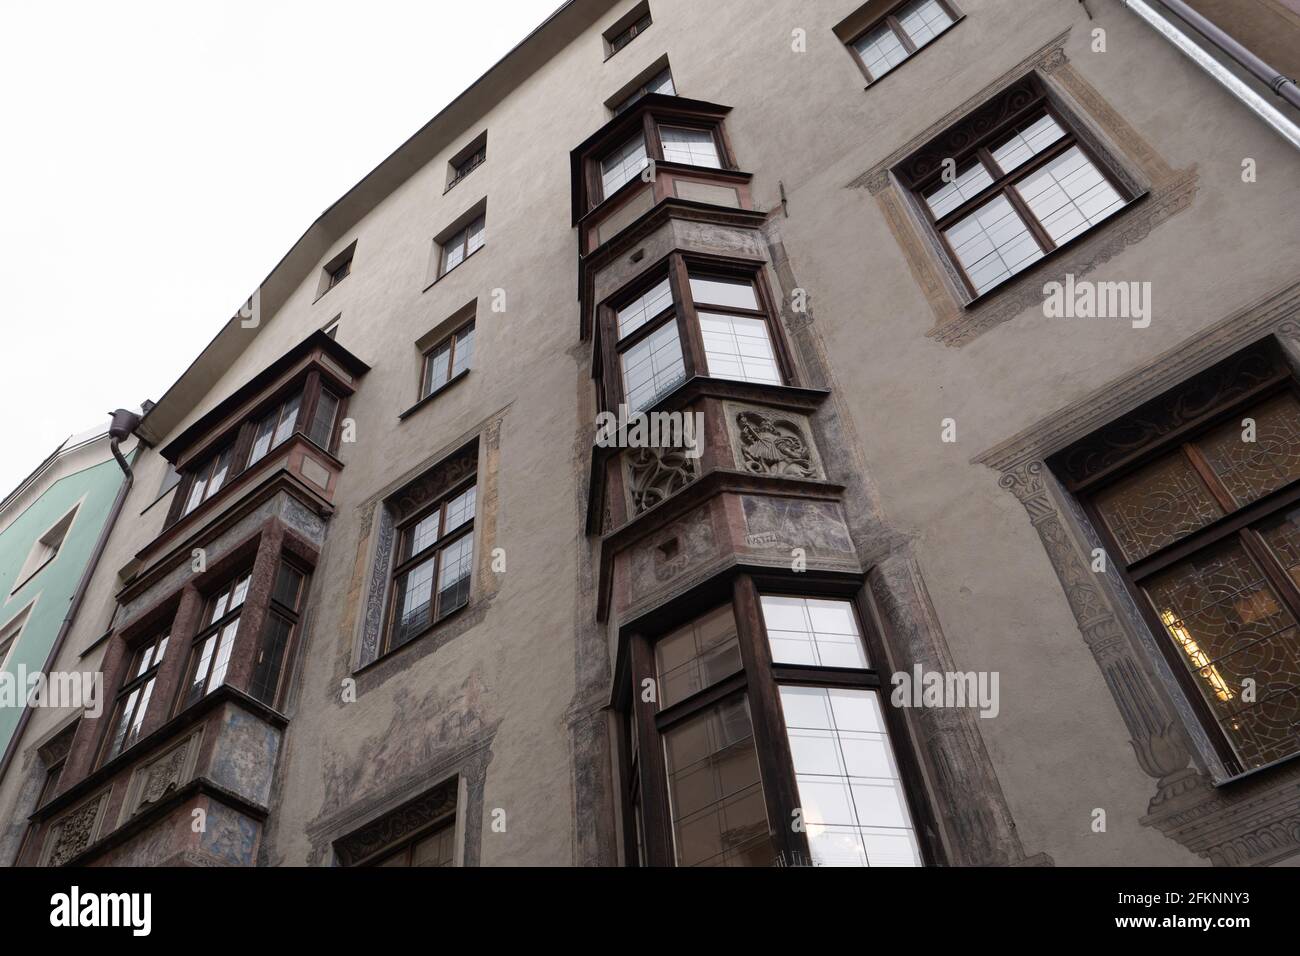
1068 195
1158 505
697 656
738 348
262 441
454 574
288 581
415 601
196 492
813 631
459 510
239 592
1228 624
322 423
849 788
881 50
424 533
137 721
437 365
1252 469
1027 141
923 21
288 419
221 660
622 165
715 793
693 147
663 83
123 724
653 367
992 244
477 235
219 474
464 351
732 293
644 308
270 659
453 251
201 668
943 198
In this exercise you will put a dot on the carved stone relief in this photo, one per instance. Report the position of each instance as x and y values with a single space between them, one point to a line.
816 526
655 474
393 827
74 831
154 780
771 442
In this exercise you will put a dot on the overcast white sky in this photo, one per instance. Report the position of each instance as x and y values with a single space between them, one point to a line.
158 158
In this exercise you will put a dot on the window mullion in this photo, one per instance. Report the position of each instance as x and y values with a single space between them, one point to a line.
896 25
1035 227
656 816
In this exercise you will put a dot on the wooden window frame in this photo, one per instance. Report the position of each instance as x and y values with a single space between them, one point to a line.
623 33
1004 183
427 388
291 615
890 18
212 630
467 164
240 438
407 845
760 680
400 565
651 121
463 232
1237 522
134 681
679 267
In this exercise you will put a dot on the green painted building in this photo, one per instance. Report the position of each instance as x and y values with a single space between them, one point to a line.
49 528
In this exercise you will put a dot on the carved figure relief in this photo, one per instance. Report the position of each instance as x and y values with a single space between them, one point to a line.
773 446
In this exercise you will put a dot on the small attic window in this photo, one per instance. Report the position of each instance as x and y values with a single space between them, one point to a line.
336 270
45 549
627 29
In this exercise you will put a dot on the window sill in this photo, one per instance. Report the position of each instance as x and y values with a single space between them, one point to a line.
392 652
454 268
1012 282
428 399
456 182
871 84
31 577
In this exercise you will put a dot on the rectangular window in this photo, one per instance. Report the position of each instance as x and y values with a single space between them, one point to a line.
275 427
43 551
623 165
661 82
1018 192
690 146
697 656
340 272
277 635
432 567
463 167
463 244
715 792
210 655
134 698
1209 534
737 342
447 359
207 479
620 36
323 420
436 848
899 34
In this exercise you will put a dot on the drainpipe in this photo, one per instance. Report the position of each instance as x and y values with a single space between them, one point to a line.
123 424
1283 87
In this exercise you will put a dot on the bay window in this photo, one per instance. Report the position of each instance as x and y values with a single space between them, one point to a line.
697 144
764 739
210 654
134 698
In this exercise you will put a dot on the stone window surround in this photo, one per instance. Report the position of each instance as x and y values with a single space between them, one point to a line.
1253 818
1161 192
380 517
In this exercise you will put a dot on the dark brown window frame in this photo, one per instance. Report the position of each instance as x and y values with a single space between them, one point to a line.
463 231
1012 108
239 437
404 561
291 615
760 680
427 388
651 121
134 681
339 273
1237 521
678 266
633 24
212 630
461 168
889 18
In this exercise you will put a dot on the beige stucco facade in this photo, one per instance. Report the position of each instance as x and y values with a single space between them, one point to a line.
519 689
